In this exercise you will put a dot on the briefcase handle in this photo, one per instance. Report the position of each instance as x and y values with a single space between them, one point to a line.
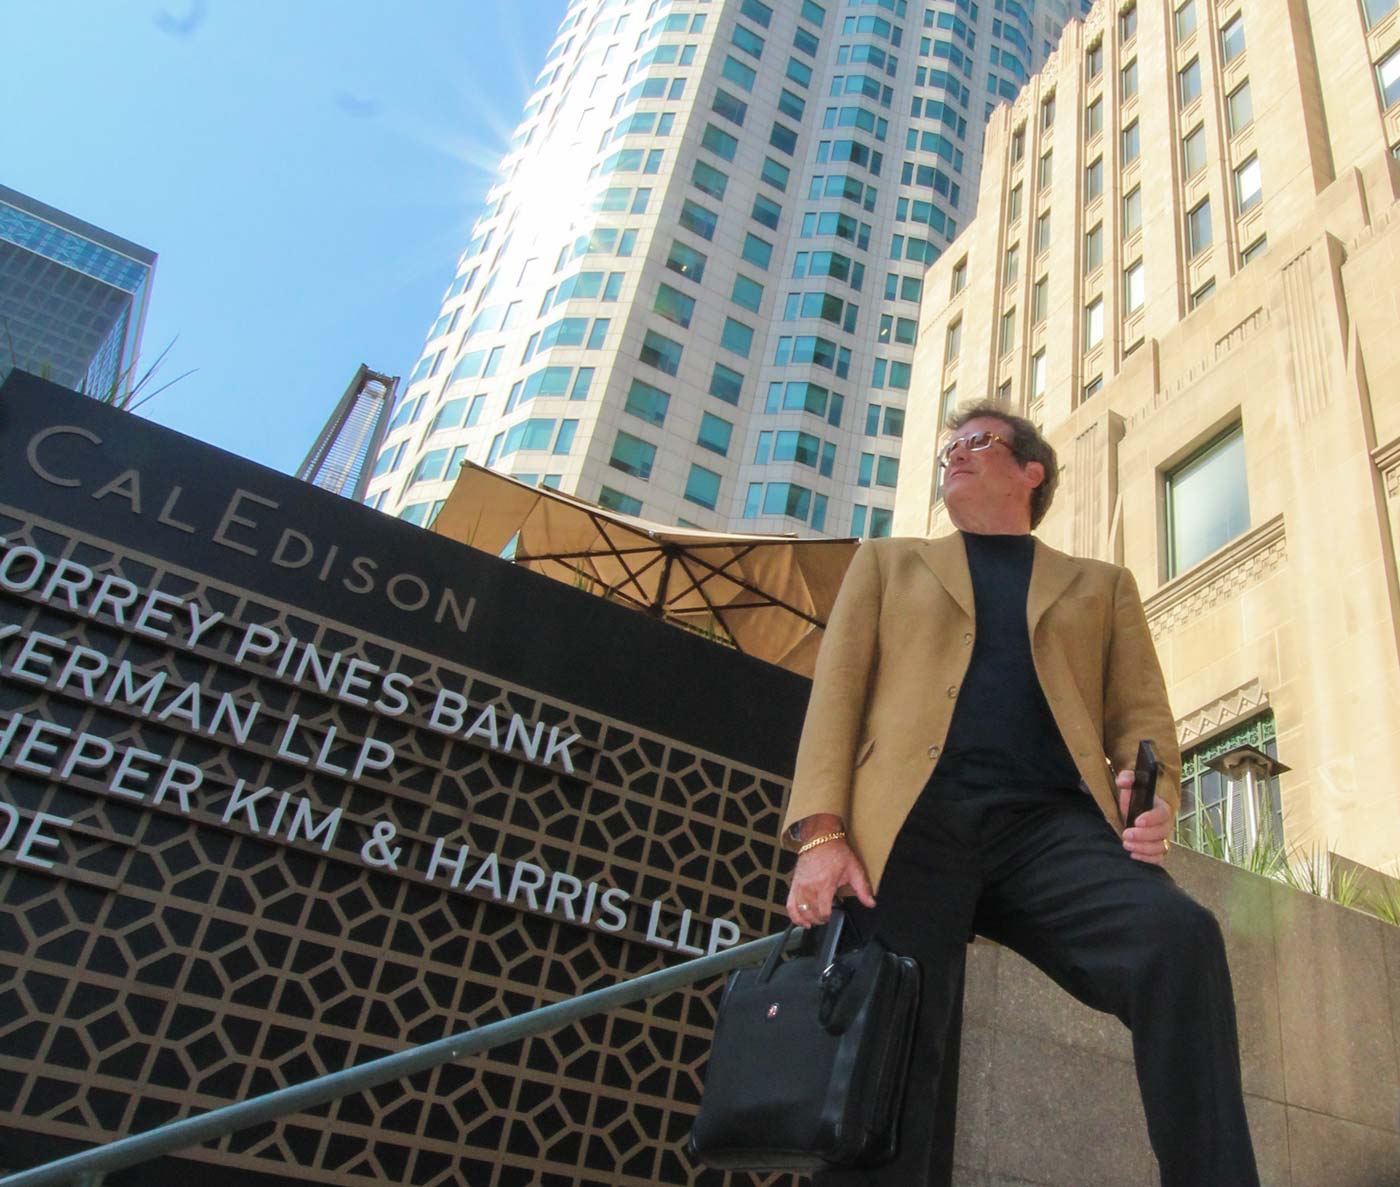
832 932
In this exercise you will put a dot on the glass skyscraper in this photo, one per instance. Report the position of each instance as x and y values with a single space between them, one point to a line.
72 298
693 292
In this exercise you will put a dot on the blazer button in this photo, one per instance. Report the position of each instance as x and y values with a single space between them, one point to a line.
952 690
967 638
934 752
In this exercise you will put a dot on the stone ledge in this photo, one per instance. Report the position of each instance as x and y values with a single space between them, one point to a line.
1050 1100
1243 562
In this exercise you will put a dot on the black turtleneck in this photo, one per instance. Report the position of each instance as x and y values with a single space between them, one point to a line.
1003 736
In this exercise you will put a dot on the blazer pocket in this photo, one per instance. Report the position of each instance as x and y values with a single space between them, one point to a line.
864 752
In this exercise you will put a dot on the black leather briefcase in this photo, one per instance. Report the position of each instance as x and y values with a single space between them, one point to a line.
809 1058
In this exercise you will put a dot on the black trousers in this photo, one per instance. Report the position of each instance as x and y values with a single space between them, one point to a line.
1044 874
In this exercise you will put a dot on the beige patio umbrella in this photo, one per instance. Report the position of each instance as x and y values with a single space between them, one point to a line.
767 596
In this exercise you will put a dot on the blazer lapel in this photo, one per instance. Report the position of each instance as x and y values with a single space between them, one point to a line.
1052 573
946 556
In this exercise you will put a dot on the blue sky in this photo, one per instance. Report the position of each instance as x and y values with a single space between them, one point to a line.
307 171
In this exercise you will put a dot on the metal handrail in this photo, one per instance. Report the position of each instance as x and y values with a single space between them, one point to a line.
88 1166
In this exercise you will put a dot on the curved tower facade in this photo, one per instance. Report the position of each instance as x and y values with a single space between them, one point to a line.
693 292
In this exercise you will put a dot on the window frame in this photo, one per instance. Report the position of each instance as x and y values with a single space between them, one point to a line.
1194 246
1235 23
1040 300
1190 73
1389 92
1135 129
1093 248
1093 180
1006 335
1207 795
1232 100
1093 118
1185 21
1129 82
1127 23
1037 375
1093 320
1196 136
1134 272
1130 212
1043 230
1386 8
1246 171
1187 466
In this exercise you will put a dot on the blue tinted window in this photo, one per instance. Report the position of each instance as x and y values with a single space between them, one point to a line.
726 384
697 219
1207 502
748 293
632 455
757 251
715 434
565 440
661 352
615 500
647 403
737 337
702 487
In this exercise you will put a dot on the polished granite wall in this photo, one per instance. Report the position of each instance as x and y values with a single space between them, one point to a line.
1048 1096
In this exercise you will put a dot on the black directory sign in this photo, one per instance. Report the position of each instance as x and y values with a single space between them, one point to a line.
287 784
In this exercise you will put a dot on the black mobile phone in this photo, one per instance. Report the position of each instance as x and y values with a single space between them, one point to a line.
1144 782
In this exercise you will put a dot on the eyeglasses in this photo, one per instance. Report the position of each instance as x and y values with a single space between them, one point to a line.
973 443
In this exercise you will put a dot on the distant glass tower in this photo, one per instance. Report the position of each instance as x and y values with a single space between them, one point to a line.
72 298
693 292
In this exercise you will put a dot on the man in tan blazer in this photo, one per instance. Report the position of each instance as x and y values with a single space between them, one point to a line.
967 757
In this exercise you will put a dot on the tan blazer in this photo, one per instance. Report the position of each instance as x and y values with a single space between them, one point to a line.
892 660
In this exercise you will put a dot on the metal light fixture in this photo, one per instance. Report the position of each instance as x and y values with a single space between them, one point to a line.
1255 767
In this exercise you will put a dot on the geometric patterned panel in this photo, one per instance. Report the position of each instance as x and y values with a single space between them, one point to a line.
171 961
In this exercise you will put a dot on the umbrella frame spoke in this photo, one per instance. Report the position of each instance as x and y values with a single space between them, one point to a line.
666 567
662 551
767 599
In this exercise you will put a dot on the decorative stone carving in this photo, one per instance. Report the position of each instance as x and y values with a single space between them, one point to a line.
1244 563
1088 467
1309 356
1386 459
1026 99
1211 718
1224 346
1373 228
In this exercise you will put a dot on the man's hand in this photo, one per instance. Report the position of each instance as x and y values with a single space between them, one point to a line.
1147 839
820 873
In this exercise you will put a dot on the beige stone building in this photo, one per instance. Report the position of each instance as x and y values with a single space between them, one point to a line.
1186 267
